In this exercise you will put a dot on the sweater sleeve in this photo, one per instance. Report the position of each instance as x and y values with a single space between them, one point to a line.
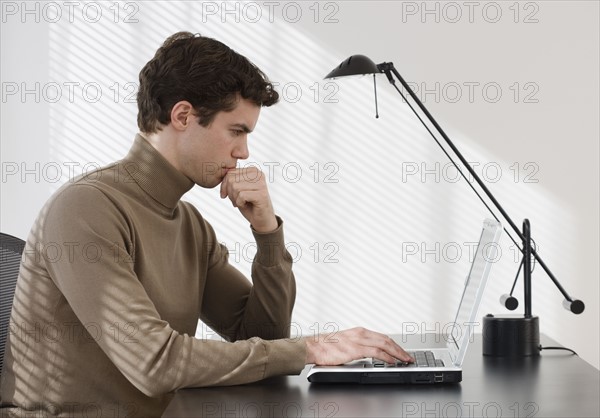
101 287
237 309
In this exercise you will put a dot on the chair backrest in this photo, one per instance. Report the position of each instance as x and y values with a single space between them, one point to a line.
11 249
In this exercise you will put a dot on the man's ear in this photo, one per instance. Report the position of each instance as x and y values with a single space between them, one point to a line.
182 114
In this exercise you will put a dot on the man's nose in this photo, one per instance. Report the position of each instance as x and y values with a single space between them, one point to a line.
241 151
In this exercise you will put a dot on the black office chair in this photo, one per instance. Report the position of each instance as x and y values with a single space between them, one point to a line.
11 249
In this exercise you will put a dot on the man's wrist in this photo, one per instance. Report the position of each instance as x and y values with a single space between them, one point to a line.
267 227
271 249
310 350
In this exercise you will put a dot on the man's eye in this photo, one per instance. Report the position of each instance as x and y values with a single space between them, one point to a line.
237 132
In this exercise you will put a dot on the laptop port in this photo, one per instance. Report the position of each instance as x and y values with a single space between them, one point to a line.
438 377
422 378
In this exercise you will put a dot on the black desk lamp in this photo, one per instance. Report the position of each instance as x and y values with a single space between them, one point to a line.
504 335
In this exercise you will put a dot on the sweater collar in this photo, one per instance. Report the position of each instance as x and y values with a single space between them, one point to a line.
154 174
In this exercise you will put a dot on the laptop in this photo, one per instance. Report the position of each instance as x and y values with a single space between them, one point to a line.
433 365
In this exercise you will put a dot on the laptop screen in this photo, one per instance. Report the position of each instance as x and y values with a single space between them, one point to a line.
466 316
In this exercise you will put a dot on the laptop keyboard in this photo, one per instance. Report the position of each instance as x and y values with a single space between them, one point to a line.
422 359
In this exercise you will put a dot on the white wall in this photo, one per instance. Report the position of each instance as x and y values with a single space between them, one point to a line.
519 97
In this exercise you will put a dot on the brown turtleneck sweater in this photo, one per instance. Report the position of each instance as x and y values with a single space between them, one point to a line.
115 274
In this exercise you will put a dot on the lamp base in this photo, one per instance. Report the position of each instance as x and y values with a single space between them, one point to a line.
511 336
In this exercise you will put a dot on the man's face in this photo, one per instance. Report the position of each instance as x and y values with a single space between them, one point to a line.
207 153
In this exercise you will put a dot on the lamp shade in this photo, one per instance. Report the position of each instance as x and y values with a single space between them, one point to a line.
355 65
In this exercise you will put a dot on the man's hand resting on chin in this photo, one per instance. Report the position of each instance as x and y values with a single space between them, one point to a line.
247 190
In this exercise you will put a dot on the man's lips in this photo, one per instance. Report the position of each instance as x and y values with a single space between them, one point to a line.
226 170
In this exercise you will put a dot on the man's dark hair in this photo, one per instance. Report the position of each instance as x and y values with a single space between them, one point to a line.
203 71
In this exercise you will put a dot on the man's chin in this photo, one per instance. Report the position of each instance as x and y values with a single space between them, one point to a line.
209 183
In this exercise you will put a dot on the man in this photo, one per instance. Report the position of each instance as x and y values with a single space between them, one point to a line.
117 269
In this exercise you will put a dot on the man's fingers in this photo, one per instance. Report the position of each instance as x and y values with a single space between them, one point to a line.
378 354
382 342
235 182
224 187
247 190
392 348
354 344
242 198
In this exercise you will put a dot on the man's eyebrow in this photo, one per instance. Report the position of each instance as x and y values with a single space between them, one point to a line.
241 126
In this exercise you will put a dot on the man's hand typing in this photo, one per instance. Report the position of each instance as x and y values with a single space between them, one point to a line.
356 343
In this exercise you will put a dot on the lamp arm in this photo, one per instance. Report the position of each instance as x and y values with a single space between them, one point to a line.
452 146
388 68
527 266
